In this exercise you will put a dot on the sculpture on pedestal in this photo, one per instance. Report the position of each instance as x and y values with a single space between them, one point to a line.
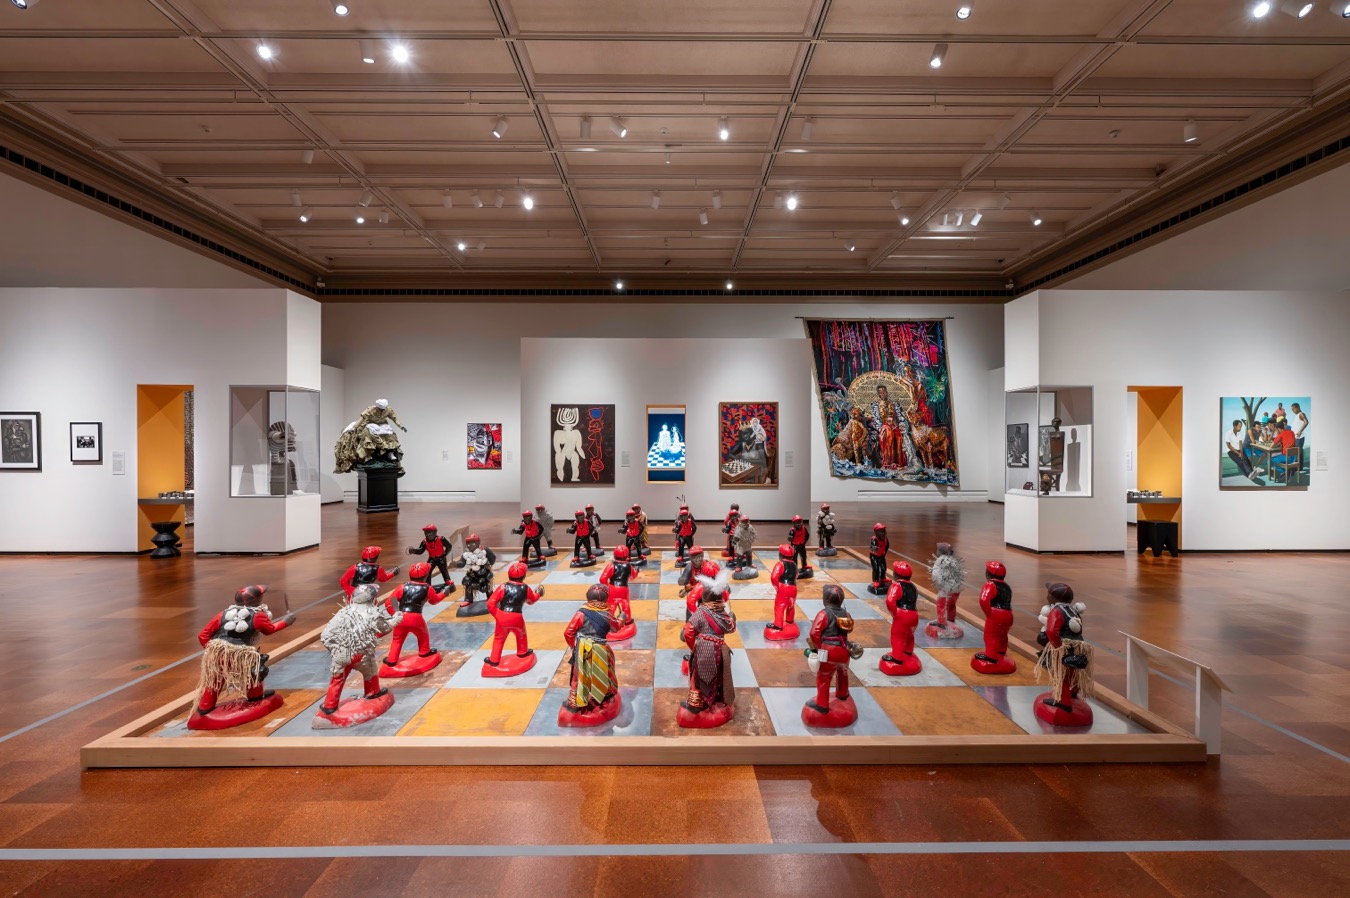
948 573
729 527
684 530
367 571
593 693
369 442
825 531
544 517
530 553
580 528
477 562
742 561
352 638
798 536
231 663
712 697
902 602
408 599
784 580
616 577
876 554
996 603
595 521
1067 658
831 653
632 537
437 549
507 605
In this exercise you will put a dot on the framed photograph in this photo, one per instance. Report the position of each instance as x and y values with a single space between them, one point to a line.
581 443
1265 442
485 447
86 442
665 444
1019 446
20 441
747 446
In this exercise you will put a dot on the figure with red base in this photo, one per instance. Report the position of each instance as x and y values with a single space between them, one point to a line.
1067 658
902 602
410 598
830 654
367 571
437 549
691 588
544 518
232 663
530 554
729 527
477 561
798 536
507 605
632 539
784 579
593 696
352 638
684 530
595 521
876 554
948 573
642 524
996 603
712 697
615 577
580 528
825 531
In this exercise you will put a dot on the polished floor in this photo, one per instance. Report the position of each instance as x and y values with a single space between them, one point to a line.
1270 817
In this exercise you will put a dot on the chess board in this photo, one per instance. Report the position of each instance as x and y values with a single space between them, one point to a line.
741 472
454 715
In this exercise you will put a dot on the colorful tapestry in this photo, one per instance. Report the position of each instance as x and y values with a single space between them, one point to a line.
886 397
747 450
485 447
582 440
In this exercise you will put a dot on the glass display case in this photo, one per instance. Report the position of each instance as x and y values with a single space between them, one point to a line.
274 441
1048 442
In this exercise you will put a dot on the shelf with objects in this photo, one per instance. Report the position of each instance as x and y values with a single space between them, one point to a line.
274 442
1048 451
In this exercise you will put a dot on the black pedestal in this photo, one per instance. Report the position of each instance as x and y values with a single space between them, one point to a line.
165 540
1157 535
377 490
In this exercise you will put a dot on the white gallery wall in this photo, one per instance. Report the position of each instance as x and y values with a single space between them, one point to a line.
1212 344
77 354
684 372
442 365
332 406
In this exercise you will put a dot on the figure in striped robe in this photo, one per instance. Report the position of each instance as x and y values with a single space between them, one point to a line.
594 690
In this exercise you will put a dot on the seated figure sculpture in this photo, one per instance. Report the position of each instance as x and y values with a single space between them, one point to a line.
370 442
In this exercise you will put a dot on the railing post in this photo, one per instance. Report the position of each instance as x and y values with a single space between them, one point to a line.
1208 711
1136 673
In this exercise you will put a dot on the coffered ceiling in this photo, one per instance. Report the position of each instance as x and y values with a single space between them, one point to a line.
1068 112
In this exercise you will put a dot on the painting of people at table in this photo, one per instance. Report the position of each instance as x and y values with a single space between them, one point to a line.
1265 442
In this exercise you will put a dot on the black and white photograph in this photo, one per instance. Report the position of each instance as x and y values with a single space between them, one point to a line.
20 441
86 442
1019 436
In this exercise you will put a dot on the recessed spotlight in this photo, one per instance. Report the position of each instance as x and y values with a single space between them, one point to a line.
1036 219
400 53
895 201
499 127
461 246
730 285
306 214
366 197
340 8
307 156
939 55
586 127
964 9
703 216
1189 134
384 216
25 4
618 127
477 200
904 220
717 199
368 51
295 198
360 217
975 219
808 126
791 202
265 51
1296 8
447 200
723 129
656 199
527 201
499 199
1261 9
618 285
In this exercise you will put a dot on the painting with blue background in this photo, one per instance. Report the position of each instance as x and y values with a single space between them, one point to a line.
666 450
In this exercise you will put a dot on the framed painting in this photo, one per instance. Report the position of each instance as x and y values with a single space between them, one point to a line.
485 447
1018 448
20 441
1265 442
747 444
581 444
666 451
86 442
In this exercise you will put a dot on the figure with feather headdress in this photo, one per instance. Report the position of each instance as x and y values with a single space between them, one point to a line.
712 697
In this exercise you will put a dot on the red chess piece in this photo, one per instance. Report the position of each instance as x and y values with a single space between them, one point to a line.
235 713
507 605
901 601
1067 658
842 712
833 652
996 603
784 579
605 712
354 711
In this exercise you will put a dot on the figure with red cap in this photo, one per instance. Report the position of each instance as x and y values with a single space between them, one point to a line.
684 530
544 518
742 561
798 536
232 663
437 549
580 529
632 539
593 693
876 554
830 654
367 571
642 522
996 603
477 561
691 588
507 606
593 518
948 572
784 579
712 697
825 531
729 527
615 577
902 602
529 549
352 639
1067 658
409 599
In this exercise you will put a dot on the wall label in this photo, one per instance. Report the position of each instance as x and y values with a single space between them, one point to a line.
625 461
789 458
119 462
1320 460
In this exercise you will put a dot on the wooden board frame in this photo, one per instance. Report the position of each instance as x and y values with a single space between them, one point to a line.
129 746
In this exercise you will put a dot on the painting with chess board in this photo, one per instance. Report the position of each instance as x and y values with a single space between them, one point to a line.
747 447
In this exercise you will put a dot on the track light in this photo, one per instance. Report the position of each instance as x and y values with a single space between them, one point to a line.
340 8
850 245
461 246
499 128
477 200
368 51
295 198
656 199
667 159
1189 134
1261 10
499 199
618 127
306 214
703 216
1036 219
447 200
807 127
946 219
717 199
265 51
527 201
307 156
1003 202
895 201
778 201
939 54
975 219
366 197
618 285
1296 8
964 9
586 127
730 285
1341 9
360 217
400 52
791 202
384 216
960 216
482 245
723 129
904 220
25 4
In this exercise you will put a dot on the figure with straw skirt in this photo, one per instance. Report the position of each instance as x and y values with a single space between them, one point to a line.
232 663
593 695
1066 658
